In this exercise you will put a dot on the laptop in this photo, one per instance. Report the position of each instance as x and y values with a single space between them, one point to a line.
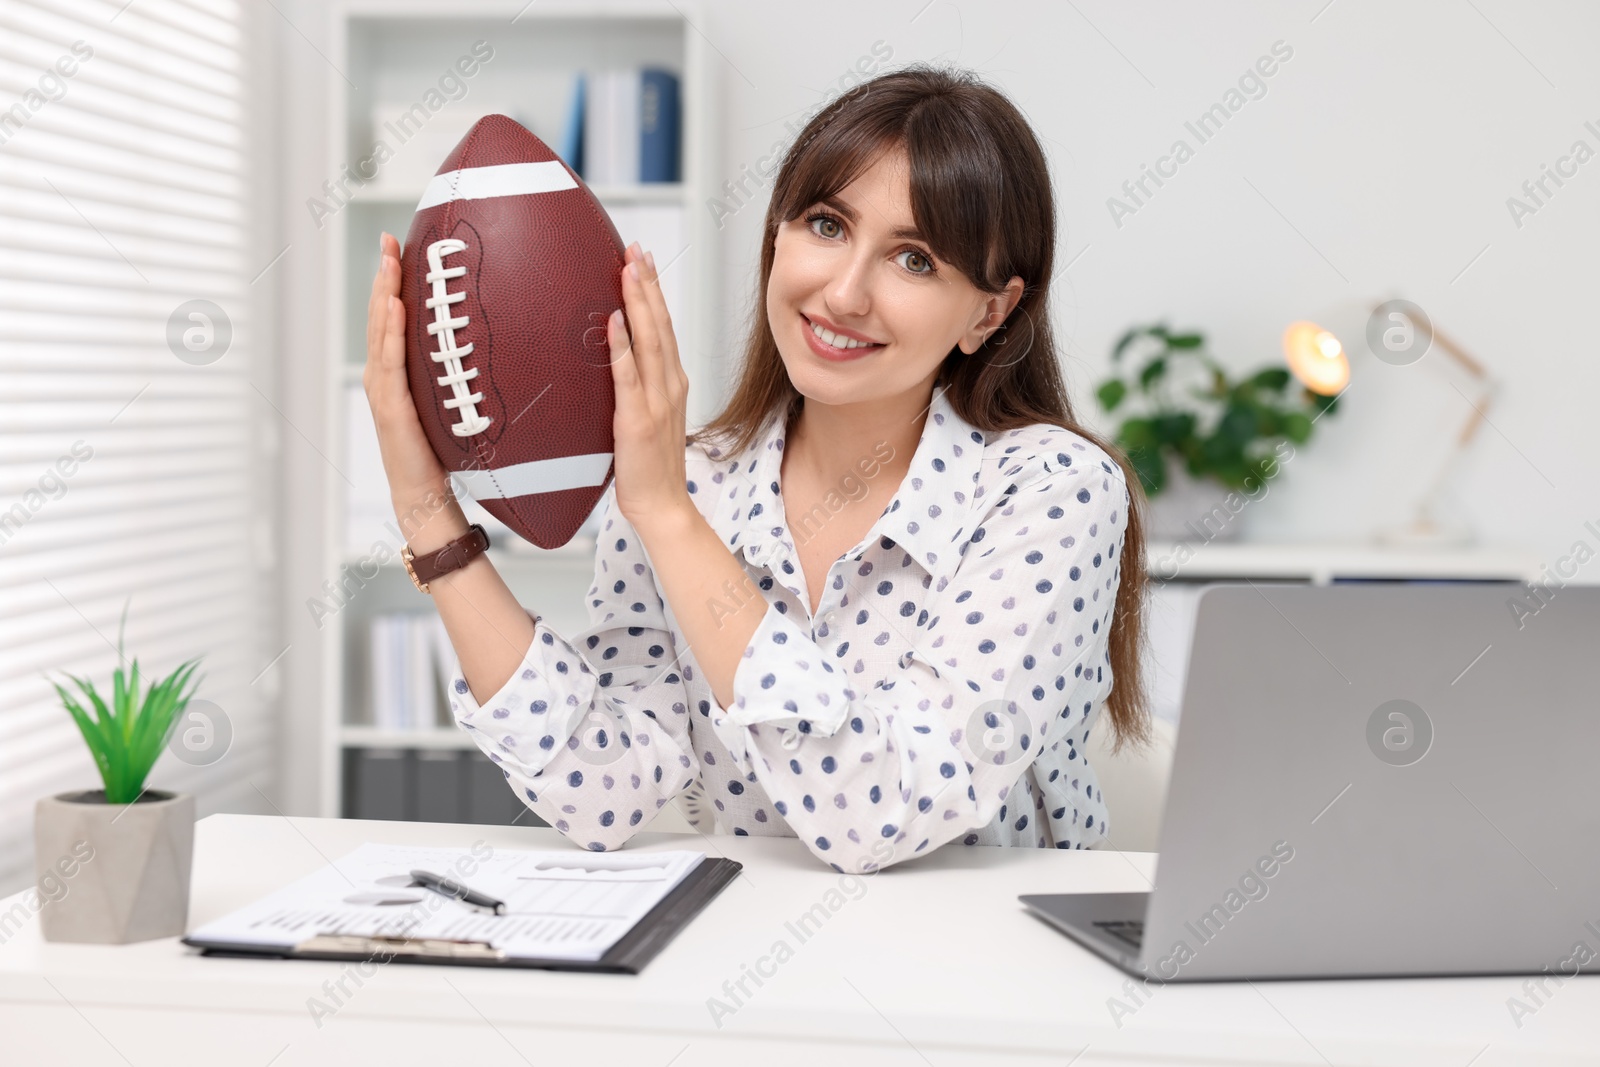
1383 779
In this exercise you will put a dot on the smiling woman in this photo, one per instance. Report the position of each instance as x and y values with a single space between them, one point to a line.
920 201
923 666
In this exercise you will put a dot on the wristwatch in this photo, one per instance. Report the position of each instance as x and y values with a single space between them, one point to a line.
453 556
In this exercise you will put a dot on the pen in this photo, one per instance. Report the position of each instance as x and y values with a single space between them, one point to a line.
455 890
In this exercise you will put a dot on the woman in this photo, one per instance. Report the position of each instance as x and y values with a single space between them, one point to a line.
919 654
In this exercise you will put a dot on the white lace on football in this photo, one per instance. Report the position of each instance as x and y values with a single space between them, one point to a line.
444 327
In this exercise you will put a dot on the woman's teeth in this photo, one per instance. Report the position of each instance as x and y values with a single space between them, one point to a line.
837 340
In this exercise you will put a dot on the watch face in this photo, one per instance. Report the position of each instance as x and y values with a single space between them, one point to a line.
406 555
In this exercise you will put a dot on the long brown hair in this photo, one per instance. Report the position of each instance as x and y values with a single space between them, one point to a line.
981 195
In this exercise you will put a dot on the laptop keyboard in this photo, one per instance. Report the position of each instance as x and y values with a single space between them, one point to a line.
1129 931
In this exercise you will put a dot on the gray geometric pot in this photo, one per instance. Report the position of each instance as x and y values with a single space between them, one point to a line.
1196 511
111 874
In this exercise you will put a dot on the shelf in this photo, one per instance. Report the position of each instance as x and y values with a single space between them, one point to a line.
377 737
1325 563
640 193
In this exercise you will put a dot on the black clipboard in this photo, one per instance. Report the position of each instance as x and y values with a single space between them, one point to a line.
629 955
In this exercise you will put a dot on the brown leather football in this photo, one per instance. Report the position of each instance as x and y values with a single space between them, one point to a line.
508 275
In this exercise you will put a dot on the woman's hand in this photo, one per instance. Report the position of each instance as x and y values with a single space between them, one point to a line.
418 483
651 390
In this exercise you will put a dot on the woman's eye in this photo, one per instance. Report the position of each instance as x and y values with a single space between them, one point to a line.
824 220
829 228
917 263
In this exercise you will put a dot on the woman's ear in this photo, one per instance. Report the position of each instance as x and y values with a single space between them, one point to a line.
990 315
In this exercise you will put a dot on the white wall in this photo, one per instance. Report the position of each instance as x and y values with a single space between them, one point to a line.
1377 164
1390 140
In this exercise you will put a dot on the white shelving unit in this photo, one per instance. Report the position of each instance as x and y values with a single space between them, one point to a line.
393 51
1324 564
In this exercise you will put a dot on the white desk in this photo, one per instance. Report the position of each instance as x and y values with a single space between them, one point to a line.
933 963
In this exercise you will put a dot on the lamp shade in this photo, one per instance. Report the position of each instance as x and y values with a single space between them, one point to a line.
1316 358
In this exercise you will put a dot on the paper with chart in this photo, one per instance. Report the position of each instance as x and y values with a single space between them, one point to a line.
559 904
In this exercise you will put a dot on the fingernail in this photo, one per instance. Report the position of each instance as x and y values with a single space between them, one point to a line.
650 258
633 269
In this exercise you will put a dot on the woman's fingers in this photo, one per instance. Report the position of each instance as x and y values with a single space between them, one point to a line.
386 348
386 381
394 339
385 282
408 460
646 333
375 304
671 366
624 369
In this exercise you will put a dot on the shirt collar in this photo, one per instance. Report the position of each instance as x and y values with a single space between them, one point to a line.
949 456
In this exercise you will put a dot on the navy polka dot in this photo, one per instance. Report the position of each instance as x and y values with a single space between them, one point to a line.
975 608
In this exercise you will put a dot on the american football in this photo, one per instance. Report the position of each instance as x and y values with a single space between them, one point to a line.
509 271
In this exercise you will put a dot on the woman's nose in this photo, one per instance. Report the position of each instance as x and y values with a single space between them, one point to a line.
850 292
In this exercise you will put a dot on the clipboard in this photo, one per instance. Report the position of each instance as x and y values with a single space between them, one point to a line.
629 955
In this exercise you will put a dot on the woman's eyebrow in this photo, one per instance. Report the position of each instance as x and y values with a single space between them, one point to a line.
908 233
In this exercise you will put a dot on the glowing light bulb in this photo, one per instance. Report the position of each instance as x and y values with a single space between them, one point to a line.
1316 358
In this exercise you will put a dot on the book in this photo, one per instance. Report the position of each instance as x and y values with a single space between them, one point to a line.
611 127
410 661
631 126
658 125
572 135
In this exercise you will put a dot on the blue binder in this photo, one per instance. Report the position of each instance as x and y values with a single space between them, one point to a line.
659 125
572 137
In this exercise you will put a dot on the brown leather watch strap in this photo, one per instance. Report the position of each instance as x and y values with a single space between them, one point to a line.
453 556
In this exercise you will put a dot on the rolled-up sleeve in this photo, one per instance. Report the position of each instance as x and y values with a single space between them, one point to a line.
1011 660
592 733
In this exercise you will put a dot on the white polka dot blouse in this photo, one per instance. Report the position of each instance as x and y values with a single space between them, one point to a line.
943 692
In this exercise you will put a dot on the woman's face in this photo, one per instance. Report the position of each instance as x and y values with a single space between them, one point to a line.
854 267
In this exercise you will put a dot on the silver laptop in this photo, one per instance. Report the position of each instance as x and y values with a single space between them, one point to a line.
1369 780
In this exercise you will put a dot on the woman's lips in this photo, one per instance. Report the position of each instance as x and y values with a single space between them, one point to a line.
829 352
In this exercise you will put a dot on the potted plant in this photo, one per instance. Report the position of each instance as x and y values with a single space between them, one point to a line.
1200 437
113 863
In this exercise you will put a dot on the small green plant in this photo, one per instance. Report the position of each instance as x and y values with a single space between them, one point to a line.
1192 412
127 737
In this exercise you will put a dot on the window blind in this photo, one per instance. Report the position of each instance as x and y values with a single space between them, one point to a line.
133 465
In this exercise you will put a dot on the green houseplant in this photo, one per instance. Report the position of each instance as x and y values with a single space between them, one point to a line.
113 864
1204 443
1191 412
